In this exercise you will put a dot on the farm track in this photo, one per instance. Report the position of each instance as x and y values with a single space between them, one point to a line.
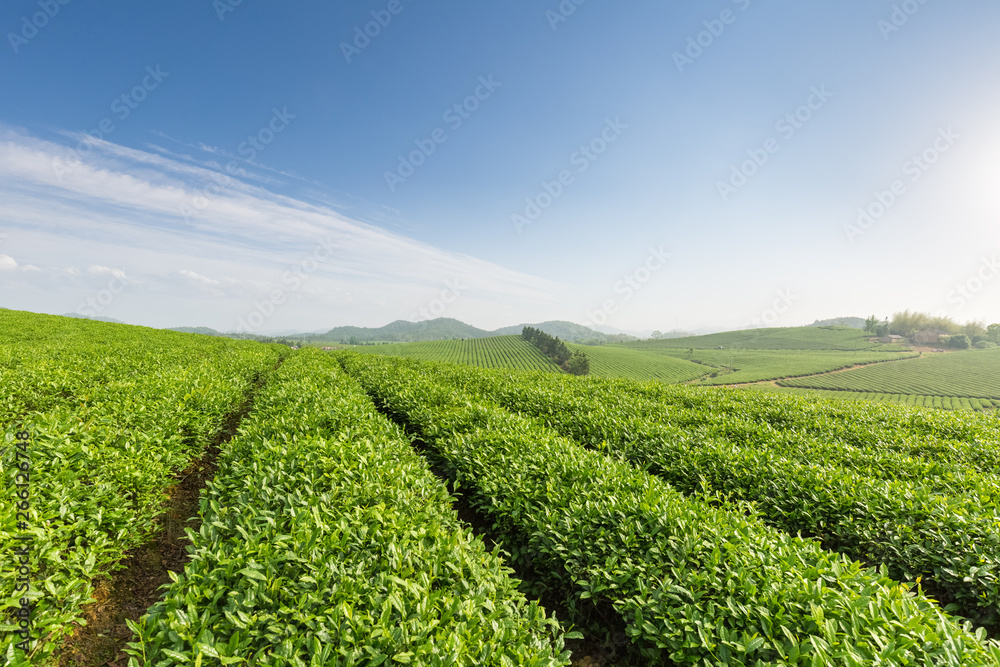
589 652
775 381
129 593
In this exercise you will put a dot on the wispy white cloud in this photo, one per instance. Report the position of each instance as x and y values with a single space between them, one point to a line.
222 160
150 215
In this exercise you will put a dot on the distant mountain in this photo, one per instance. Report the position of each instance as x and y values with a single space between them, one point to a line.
88 317
402 331
566 331
853 322
294 333
442 328
198 330
604 328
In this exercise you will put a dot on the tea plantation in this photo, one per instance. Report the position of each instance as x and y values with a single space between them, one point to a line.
372 509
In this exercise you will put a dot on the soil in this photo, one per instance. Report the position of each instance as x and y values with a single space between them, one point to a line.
128 593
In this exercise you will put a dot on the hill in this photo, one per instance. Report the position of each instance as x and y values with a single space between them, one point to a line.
443 328
95 318
569 332
492 352
969 374
853 322
516 353
620 362
739 365
405 332
791 338
205 331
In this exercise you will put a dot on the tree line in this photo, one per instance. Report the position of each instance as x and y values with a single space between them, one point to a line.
575 363
962 336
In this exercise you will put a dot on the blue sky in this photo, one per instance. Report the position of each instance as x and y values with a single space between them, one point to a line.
640 165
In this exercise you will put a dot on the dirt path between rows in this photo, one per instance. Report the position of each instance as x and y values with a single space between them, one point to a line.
128 593
775 381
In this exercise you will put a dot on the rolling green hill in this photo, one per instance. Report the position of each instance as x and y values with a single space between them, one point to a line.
516 353
205 331
494 352
737 366
792 338
565 331
969 374
405 332
619 362
647 362
852 322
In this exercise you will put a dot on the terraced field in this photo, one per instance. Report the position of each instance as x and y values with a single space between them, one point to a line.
496 352
787 338
968 374
736 366
612 362
941 402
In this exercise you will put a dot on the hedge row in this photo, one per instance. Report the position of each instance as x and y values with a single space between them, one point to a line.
327 541
692 583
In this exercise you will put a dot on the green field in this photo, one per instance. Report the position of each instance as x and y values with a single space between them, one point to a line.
968 374
363 509
670 365
761 449
789 338
321 506
496 352
601 504
916 400
613 362
794 357
736 366
109 414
